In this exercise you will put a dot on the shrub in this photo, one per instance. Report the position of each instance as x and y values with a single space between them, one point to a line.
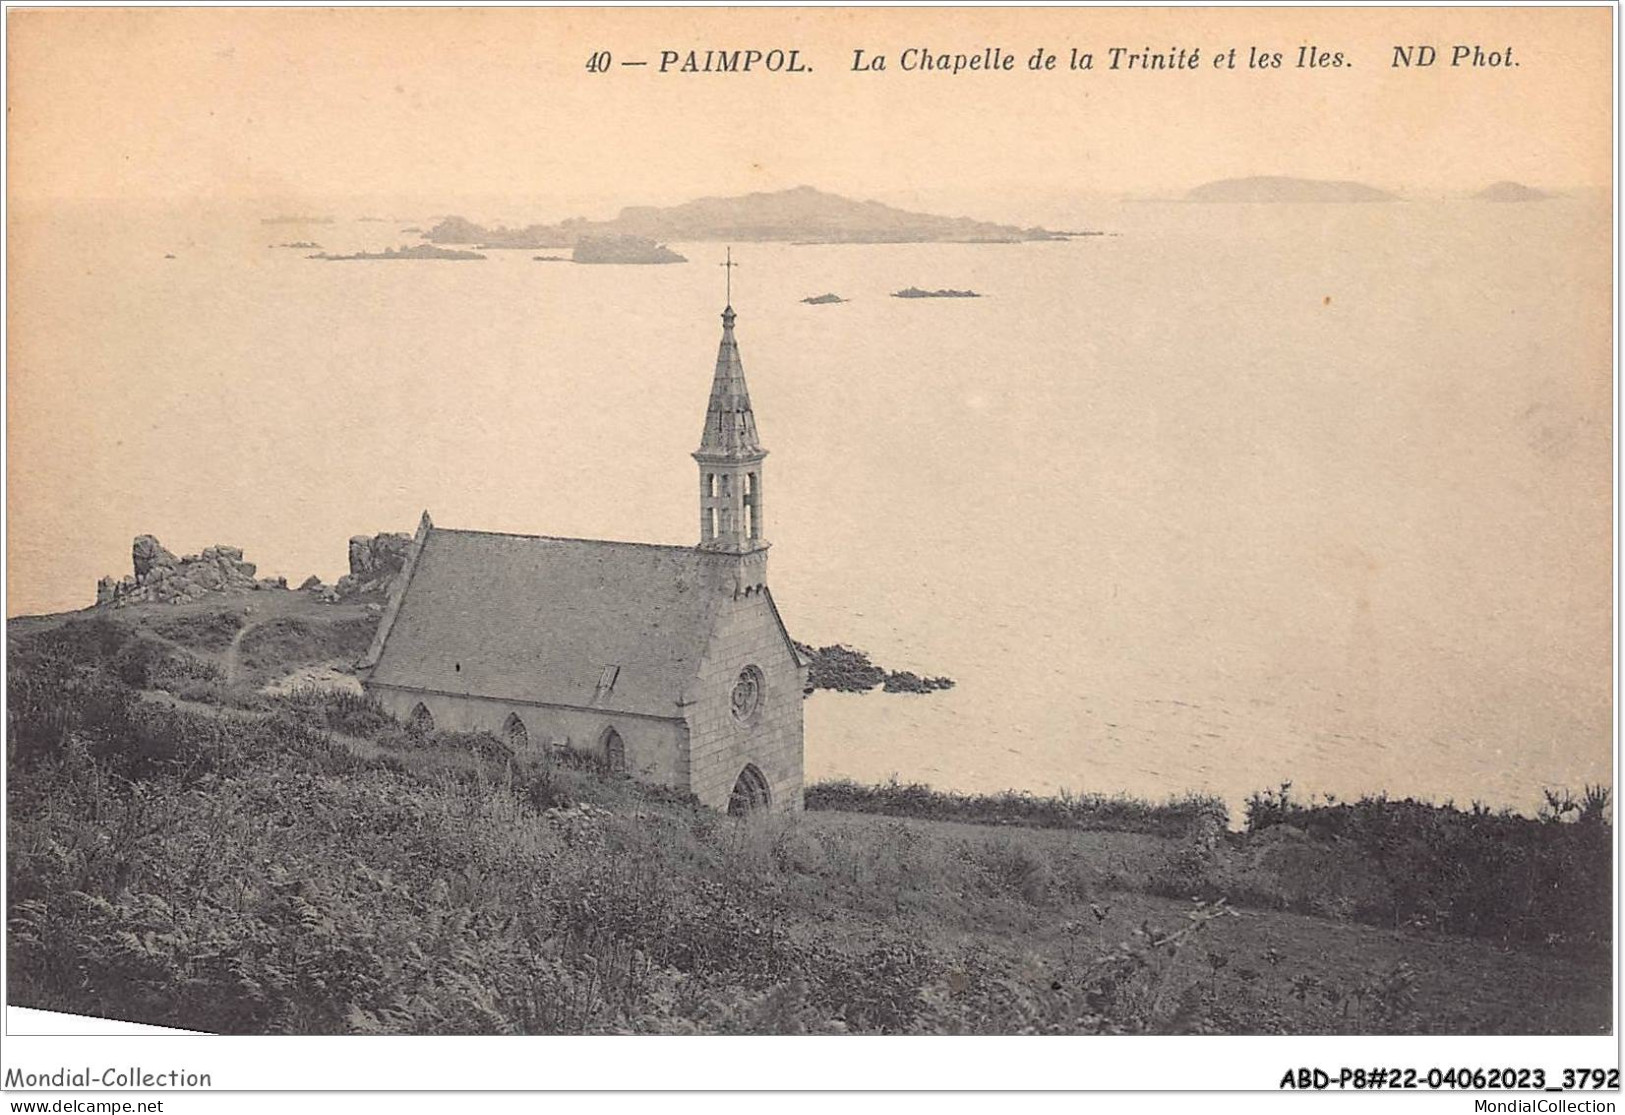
354 714
50 699
1473 871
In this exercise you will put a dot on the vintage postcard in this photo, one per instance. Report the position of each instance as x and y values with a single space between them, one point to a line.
822 522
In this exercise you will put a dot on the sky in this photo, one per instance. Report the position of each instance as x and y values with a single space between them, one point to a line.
286 106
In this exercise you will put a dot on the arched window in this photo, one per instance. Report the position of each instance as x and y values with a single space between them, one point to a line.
751 793
614 751
422 720
515 733
753 508
708 506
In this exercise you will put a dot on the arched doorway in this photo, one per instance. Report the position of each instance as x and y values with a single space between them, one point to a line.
614 751
515 732
422 720
751 794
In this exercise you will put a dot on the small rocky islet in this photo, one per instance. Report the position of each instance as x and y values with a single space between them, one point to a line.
917 292
845 669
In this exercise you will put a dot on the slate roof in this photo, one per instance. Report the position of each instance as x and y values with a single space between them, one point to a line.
537 619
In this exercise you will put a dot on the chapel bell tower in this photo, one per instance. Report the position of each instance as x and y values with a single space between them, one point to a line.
730 459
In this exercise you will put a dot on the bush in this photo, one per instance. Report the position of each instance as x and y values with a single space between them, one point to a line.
1476 872
354 714
50 699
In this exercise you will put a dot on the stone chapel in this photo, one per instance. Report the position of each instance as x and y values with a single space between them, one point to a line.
670 663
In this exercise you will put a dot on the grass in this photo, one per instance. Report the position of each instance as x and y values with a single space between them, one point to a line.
304 864
1403 864
209 631
272 646
1178 816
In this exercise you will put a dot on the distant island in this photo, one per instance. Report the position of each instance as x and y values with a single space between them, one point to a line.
416 251
298 244
801 216
1278 189
623 249
916 292
551 259
460 230
1510 191
823 300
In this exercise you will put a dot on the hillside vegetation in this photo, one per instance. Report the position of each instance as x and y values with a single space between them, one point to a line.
190 851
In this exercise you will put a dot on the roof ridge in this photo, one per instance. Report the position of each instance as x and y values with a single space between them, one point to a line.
559 538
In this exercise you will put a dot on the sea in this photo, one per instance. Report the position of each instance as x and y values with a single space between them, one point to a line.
1218 497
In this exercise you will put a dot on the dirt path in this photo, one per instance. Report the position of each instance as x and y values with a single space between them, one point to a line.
231 659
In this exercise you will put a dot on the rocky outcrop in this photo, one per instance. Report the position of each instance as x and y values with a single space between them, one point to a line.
161 577
846 670
374 564
147 552
327 594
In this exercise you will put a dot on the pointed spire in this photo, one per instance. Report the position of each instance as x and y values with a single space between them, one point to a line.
730 426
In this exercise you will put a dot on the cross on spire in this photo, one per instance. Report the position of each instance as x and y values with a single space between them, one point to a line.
730 265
